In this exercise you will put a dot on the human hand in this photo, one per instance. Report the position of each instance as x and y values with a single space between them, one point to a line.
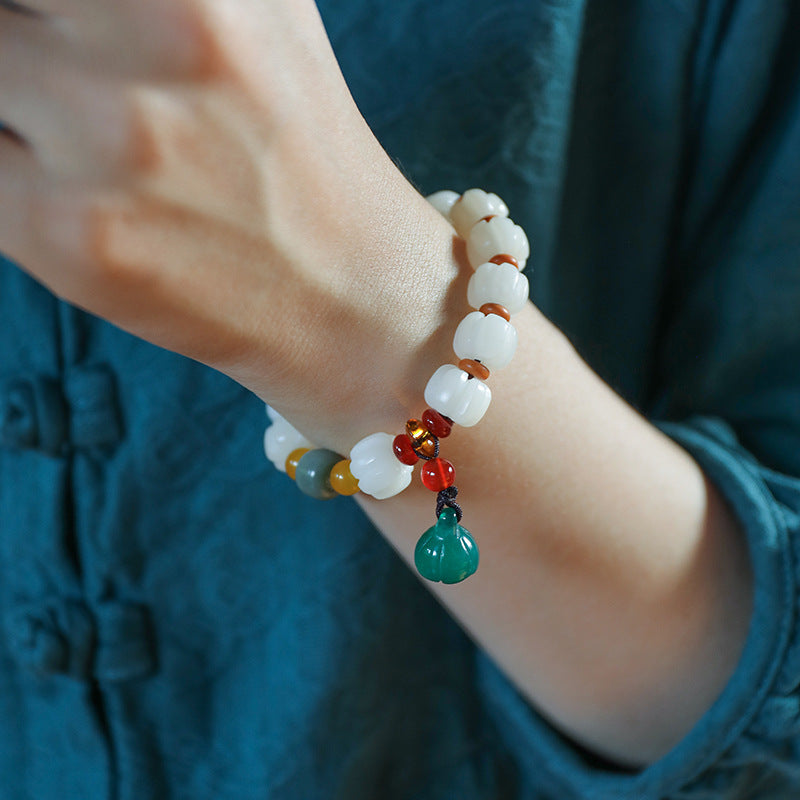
198 174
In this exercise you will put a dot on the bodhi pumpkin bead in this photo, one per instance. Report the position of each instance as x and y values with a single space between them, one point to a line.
280 439
498 235
376 469
499 283
454 394
474 205
488 339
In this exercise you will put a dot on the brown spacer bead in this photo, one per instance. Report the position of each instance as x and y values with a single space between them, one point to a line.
495 308
488 217
504 258
474 368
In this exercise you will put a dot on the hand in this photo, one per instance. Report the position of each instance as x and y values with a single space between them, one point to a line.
197 173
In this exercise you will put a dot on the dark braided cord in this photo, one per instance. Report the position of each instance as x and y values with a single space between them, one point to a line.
447 497
435 450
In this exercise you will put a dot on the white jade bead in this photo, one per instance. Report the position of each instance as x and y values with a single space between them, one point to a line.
485 338
443 201
474 205
280 439
452 392
498 283
376 468
489 238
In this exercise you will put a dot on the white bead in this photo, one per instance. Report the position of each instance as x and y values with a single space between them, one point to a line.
443 201
474 205
452 392
498 283
485 338
376 468
280 439
489 238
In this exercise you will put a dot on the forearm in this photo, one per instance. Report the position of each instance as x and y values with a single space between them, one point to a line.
218 194
614 586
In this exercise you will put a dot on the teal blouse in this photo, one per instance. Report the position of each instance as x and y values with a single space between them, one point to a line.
180 623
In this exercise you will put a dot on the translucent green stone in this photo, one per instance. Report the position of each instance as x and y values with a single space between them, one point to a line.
446 552
314 471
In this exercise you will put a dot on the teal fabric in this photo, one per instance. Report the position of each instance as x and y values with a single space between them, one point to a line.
179 622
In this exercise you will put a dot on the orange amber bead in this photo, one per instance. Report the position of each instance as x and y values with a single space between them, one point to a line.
416 431
423 440
474 368
342 480
504 258
427 447
293 459
495 308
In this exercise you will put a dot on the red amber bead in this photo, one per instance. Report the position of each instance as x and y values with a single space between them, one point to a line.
504 258
474 368
495 308
437 423
404 450
438 474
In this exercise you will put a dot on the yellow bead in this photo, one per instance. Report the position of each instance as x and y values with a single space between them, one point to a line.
293 458
342 480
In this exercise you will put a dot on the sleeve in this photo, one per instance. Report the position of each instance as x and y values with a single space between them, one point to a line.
727 389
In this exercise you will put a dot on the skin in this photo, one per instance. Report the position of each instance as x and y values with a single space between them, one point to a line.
197 173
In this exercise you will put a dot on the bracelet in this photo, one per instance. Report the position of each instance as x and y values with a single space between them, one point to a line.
381 465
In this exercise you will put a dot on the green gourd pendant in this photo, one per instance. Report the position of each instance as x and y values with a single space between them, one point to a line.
446 552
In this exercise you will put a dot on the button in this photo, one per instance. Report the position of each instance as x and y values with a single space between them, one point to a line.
125 645
37 414
32 414
56 638
94 416
113 643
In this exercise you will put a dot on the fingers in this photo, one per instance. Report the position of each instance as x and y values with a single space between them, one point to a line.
75 106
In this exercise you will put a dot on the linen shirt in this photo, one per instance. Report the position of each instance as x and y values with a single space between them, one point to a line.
180 623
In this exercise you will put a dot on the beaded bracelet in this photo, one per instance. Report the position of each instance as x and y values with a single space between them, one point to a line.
381 465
